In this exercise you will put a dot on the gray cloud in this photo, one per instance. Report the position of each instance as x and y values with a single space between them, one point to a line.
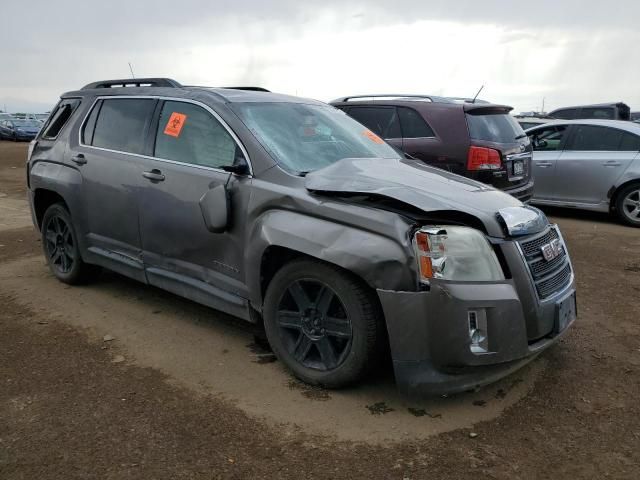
57 46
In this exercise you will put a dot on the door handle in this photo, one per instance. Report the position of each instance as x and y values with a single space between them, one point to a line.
79 159
154 175
612 163
544 164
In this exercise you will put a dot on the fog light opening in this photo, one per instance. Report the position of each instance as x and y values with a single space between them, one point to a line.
478 332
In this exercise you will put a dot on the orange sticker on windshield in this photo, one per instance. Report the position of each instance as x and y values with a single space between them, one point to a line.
175 124
372 136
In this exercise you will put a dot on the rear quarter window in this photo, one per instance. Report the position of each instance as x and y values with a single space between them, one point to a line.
59 117
499 128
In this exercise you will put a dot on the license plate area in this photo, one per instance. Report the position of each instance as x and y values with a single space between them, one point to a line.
518 168
566 313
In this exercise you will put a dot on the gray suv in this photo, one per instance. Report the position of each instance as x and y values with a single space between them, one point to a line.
286 211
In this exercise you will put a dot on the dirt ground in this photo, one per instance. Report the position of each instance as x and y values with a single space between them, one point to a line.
180 391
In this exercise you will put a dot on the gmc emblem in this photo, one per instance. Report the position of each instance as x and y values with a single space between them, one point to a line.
551 250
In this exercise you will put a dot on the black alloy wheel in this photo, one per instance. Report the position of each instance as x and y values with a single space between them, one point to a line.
61 249
323 323
59 244
314 324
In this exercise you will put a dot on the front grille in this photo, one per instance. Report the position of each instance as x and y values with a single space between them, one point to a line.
551 276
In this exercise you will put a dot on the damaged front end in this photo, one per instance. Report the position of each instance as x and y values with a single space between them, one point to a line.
488 297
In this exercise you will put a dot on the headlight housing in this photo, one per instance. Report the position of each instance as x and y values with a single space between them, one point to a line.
455 253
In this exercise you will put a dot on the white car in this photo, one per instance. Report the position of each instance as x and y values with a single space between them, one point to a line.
588 164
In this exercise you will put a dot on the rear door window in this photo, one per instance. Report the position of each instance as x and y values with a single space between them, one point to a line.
566 114
413 125
548 138
188 133
381 120
603 113
122 124
59 117
500 128
595 138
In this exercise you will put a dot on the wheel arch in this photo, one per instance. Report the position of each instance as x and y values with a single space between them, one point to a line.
43 198
615 191
280 236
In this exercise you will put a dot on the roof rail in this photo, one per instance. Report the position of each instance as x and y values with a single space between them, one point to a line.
252 89
431 98
133 82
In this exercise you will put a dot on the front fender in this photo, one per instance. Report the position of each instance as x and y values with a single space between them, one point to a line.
382 262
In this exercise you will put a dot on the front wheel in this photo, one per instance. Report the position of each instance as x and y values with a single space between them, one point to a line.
322 323
61 249
628 205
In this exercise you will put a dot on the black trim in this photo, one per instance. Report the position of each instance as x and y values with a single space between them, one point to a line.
133 82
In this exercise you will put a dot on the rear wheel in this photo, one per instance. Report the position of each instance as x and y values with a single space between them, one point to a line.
322 323
60 245
628 205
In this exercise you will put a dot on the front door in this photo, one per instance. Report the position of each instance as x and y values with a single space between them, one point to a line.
547 148
593 159
180 254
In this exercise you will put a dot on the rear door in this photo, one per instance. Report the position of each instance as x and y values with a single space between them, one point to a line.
382 120
418 138
548 143
191 145
593 159
112 141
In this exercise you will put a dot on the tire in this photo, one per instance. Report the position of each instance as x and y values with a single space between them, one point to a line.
61 250
627 205
322 323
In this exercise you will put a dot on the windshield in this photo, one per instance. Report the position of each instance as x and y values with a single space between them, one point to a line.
500 128
303 138
26 123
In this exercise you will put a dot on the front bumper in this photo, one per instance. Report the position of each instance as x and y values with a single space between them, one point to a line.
430 337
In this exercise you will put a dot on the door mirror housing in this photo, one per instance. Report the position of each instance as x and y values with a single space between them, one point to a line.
215 207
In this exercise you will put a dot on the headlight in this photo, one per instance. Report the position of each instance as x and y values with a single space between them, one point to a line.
455 253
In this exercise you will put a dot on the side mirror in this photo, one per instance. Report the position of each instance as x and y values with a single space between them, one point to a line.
215 207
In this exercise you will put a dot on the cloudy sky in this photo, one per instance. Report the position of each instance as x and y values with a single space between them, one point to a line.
566 51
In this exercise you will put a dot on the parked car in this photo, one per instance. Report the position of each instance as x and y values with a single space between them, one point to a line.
286 211
16 129
601 111
477 140
527 122
588 164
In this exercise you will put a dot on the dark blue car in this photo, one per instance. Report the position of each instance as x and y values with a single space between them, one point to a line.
16 129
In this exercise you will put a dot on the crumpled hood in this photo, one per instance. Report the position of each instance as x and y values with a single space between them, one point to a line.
414 183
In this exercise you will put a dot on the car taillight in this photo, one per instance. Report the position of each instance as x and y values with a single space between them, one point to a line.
481 158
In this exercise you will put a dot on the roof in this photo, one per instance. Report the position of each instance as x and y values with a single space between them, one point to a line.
406 99
392 97
620 124
593 105
171 88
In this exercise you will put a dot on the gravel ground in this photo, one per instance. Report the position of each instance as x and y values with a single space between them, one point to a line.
75 406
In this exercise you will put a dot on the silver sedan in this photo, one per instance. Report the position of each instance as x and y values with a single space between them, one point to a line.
588 164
